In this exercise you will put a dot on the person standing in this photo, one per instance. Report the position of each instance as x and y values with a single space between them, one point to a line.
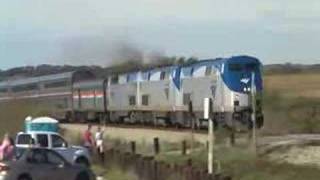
7 148
88 141
100 143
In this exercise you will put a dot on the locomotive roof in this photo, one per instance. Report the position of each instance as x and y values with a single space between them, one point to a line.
202 62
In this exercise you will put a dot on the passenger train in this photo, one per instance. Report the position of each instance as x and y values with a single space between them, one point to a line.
158 96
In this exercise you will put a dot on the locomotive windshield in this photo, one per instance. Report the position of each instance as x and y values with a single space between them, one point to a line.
234 67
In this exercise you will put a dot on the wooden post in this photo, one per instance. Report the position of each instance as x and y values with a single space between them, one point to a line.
133 147
192 116
156 146
233 133
184 147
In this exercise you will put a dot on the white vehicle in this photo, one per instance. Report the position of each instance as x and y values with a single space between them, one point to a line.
53 141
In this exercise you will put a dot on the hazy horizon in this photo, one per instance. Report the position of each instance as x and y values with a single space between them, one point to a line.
84 32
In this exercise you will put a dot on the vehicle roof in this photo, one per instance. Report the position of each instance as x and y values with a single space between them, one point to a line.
38 132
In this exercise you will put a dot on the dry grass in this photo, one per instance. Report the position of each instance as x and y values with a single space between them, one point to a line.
292 103
13 114
243 165
294 85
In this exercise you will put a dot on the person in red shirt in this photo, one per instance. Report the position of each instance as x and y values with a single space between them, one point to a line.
88 141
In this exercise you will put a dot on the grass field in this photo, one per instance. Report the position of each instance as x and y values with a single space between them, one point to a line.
305 85
292 103
13 114
241 164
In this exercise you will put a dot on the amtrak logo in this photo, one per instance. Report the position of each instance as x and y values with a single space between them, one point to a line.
245 80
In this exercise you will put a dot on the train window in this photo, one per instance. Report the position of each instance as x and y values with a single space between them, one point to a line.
145 100
3 90
235 67
66 102
114 80
29 87
187 72
132 100
192 71
56 84
145 76
186 98
132 77
162 75
208 70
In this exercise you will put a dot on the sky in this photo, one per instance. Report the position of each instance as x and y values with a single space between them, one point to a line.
100 32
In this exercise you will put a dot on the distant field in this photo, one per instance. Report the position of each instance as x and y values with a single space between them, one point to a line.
294 85
13 114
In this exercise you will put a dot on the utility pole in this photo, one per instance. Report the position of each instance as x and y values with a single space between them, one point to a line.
207 112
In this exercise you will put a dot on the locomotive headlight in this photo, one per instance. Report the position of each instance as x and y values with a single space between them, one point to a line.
245 89
249 89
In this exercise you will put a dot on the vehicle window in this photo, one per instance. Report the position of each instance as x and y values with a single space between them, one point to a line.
24 139
235 67
19 152
37 156
54 159
43 140
57 141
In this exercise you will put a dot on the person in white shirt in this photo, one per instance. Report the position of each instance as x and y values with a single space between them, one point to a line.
100 143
